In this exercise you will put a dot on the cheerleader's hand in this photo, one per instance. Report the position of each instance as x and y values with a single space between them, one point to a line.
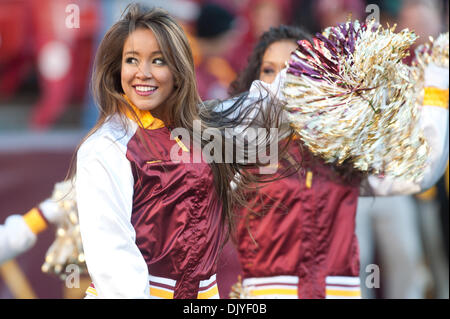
51 210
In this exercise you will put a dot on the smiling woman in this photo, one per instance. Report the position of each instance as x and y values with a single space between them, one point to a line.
145 76
152 227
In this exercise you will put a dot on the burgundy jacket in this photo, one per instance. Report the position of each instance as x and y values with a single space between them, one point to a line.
176 213
168 210
304 226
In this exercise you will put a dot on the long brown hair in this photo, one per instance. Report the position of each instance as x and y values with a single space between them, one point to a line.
344 172
185 103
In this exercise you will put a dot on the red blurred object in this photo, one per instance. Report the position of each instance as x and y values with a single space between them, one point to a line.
56 37
14 49
25 183
258 16
12 30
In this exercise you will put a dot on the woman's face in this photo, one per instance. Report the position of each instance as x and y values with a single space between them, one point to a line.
274 59
146 78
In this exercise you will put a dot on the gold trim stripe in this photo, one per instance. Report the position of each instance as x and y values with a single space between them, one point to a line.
274 291
343 293
435 97
309 177
35 221
152 162
146 119
183 147
161 293
165 294
209 293
92 291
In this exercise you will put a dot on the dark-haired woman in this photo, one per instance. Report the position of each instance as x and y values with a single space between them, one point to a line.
296 237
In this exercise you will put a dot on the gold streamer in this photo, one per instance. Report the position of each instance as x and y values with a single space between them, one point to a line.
67 247
371 118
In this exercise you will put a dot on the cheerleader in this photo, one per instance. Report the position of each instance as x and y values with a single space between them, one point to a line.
152 227
296 237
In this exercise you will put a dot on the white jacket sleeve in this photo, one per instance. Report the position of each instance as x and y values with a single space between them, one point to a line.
435 126
104 188
16 237
259 96
433 122
259 104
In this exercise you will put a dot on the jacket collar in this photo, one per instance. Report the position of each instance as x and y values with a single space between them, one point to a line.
145 119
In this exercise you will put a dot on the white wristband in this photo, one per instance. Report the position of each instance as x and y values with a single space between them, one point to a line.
436 76
51 211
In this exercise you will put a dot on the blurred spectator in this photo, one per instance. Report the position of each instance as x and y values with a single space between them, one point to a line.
14 49
258 16
315 15
264 14
424 17
215 36
58 40
234 6
332 12
388 9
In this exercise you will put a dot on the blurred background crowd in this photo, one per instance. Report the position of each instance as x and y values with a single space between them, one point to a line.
46 54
